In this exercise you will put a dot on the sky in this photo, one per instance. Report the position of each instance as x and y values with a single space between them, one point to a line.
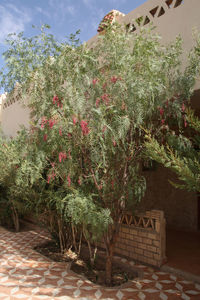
64 16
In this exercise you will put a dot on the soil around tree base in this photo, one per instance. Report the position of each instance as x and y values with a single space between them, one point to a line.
121 272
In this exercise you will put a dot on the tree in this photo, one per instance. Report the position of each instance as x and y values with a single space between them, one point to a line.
180 153
89 107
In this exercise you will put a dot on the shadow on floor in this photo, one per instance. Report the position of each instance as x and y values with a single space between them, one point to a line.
183 251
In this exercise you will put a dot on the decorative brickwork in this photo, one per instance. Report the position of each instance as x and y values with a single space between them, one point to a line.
142 238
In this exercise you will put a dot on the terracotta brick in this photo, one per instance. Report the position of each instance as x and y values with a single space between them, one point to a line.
139 251
126 229
156 243
152 248
148 254
152 236
143 234
138 239
156 256
133 231
142 246
133 243
147 241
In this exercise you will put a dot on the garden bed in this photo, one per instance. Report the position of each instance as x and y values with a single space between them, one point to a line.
122 273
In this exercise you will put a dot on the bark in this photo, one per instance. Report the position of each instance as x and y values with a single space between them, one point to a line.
15 218
109 260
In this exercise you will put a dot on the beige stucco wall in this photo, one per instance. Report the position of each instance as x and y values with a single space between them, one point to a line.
14 114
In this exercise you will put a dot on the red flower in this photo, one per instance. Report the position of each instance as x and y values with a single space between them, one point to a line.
51 123
104 86
183 107
113 79
45 137
84 127
79 181
57 101
62 156
94 81
114 143
74 120
105 98
52 176
161 111
44 121
48 179
97 102
60 132
69 180
162 121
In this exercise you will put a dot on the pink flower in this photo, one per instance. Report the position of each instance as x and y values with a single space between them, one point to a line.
97 102
162 121
51 123
84 127
79 181
104 128
114 143
69 135
44 121
185 123
94 81
161 111
105 98
74 120
62 156
45 137
183 107
60 132
55 99
104 86
113 79
52 176
69 180
48 179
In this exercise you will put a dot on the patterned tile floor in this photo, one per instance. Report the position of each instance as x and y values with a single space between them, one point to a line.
25 274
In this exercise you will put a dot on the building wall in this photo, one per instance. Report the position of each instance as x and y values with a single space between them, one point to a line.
179 206
14 114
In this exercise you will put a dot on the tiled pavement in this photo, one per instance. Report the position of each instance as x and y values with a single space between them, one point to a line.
25 274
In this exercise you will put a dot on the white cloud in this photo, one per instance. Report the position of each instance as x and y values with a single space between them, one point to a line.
117 2
43 12
12 20
61 9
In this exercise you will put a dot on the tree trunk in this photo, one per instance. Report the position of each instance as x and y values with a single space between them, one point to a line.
109 259
15 219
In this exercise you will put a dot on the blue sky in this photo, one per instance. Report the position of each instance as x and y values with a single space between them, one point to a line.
64 16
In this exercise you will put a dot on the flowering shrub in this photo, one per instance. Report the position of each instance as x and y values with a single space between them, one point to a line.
87 140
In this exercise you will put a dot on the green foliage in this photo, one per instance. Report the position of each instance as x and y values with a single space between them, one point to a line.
82 157
181 154
25 55
83 211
